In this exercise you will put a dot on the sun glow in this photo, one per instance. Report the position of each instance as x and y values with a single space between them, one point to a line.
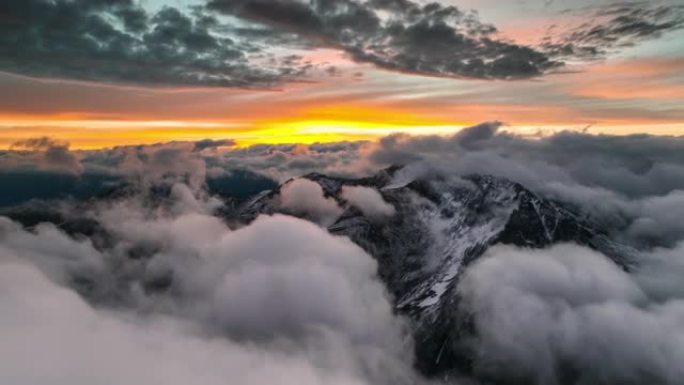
312 131
308 125
346 122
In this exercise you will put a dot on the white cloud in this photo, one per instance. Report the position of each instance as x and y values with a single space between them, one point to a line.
280 301
659 217
305 197
51 336
543 315
287 292
369 201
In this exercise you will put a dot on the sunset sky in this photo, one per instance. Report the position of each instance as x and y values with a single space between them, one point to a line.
105 73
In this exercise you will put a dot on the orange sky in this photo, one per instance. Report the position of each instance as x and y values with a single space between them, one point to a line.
639 88
618 97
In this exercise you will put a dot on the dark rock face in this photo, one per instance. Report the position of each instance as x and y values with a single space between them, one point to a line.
441 226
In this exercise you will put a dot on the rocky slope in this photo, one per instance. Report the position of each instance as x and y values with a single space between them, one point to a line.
440 226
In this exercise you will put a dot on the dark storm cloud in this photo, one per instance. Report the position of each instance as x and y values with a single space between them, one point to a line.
118 41
400 35
615 26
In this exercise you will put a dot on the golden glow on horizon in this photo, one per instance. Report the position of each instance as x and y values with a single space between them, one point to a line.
311 125
620 97
337 123
306 126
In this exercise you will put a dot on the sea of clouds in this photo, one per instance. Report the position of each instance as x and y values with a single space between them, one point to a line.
164 291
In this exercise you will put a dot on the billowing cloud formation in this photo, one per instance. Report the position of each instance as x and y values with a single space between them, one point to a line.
613 178
52 336
299 299
172 161
568 315
369 201
660 272
634 182
304 197
282 162
658 218
401 35
118 41
636 165
278 301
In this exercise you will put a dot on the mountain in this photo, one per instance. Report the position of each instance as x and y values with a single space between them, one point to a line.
442 225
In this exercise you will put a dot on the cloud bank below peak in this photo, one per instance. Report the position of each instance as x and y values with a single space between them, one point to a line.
276 301
291 302
552 316
634 182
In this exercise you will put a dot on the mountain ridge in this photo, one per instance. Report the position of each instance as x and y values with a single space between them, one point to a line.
442 225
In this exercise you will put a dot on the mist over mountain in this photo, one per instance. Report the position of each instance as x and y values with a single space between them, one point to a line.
479 258
341 192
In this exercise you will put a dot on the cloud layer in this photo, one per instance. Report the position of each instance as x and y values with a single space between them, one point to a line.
158 267
51 336
278 301
306 198
629 182
368 201
568 315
